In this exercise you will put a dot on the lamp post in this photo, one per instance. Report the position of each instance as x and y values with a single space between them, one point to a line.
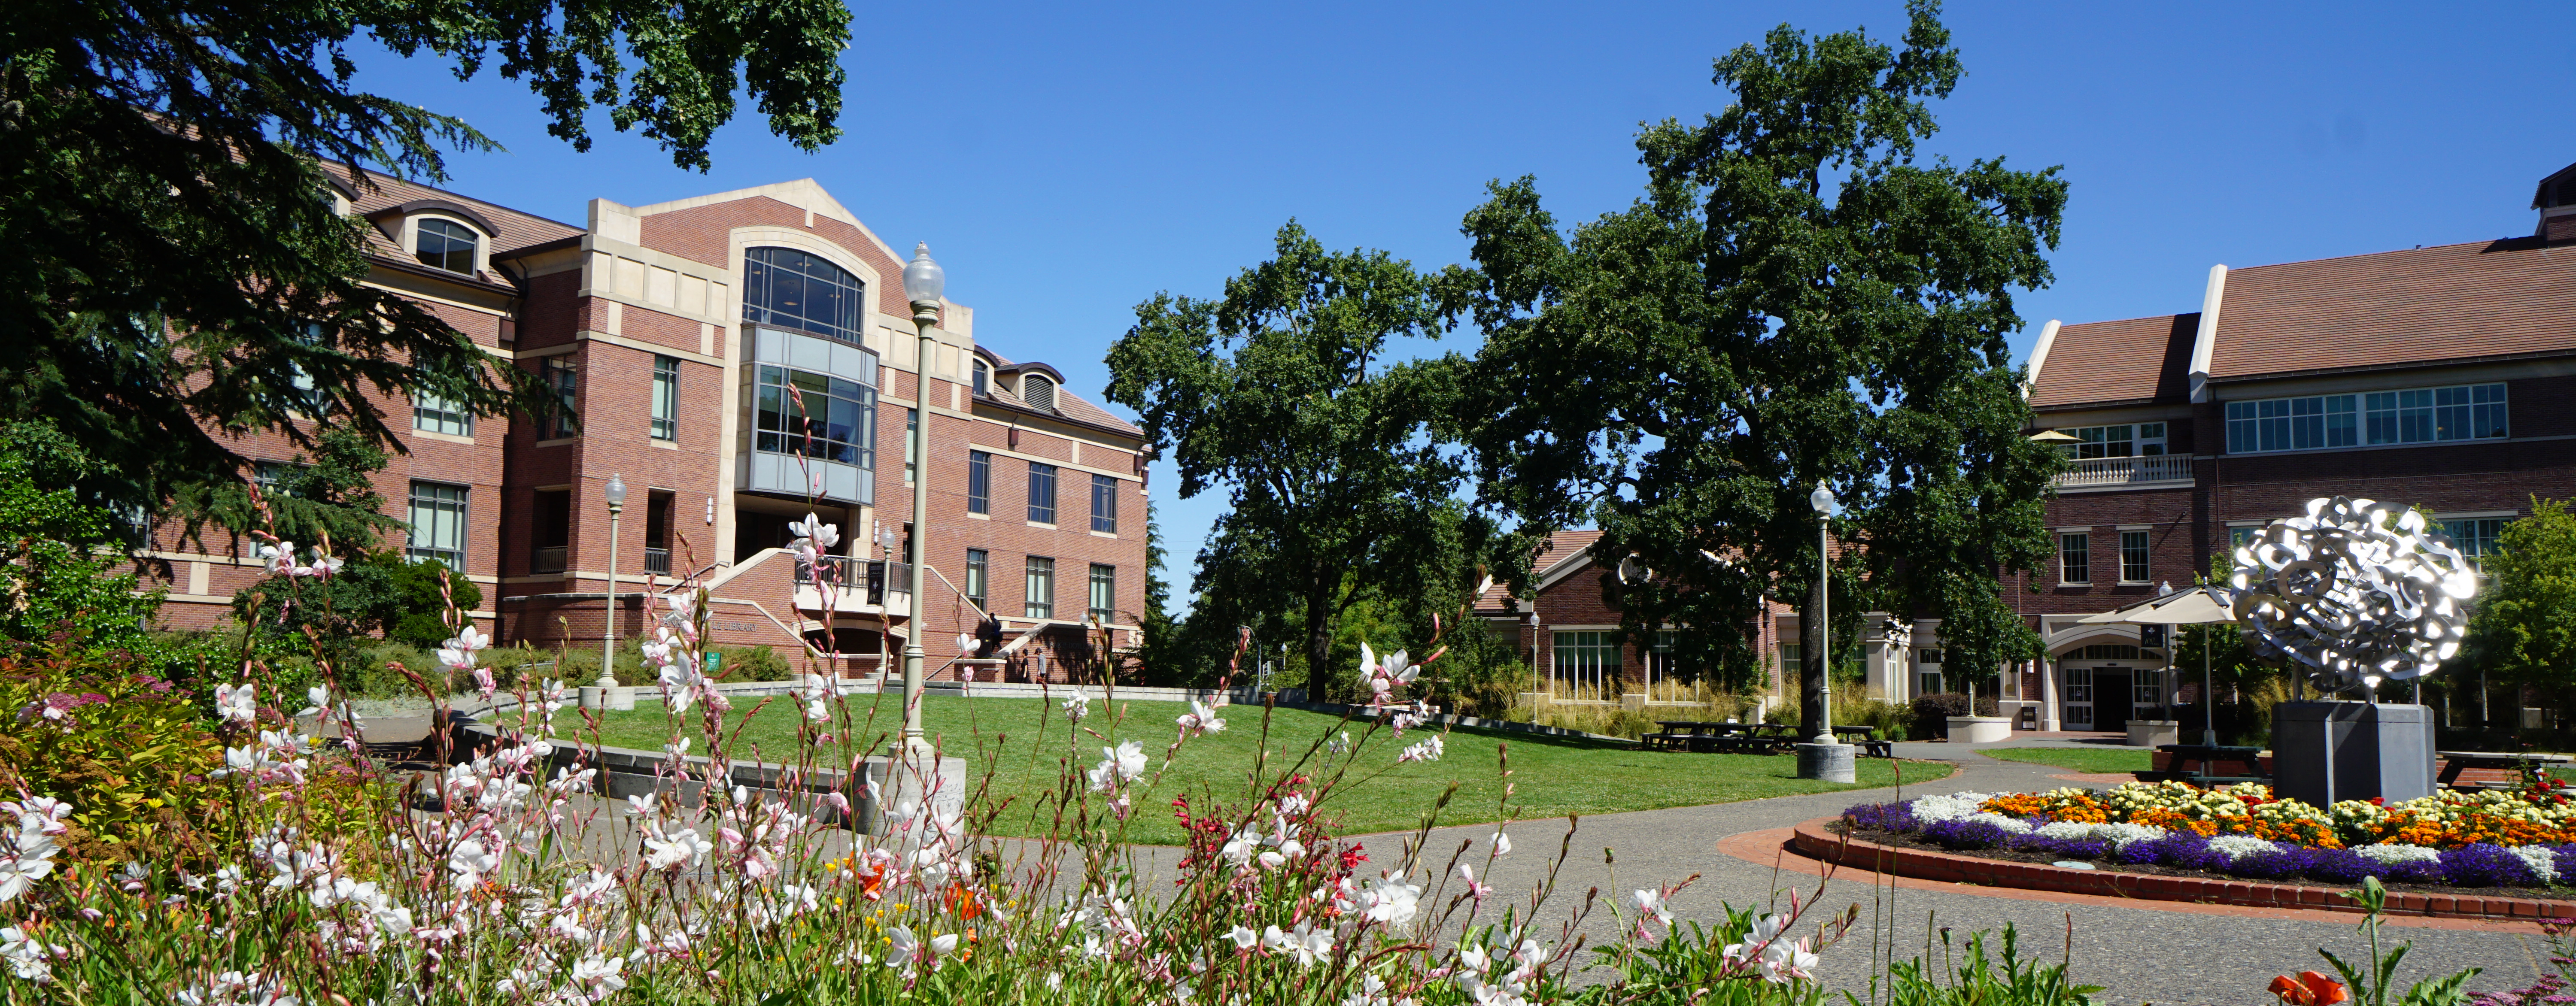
1821 757
609 694
923 282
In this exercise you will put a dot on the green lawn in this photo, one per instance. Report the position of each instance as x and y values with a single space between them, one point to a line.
2103 759
1028 753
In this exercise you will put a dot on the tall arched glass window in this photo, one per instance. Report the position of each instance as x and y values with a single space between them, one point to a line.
446 244
792 289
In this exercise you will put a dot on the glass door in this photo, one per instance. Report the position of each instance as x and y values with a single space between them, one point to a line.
2079 697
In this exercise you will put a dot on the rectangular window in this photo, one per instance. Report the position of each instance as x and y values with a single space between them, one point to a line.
1586 665
2133 557
564 384
2074 558
666 398
433 414
911 426
2291 424
2427 415
1927 657
658 506
1041 493
2147 686
2104 441
1104 594
816 415
979 482
2107 651
2475 537
1104 504
2079 696
1041 588
437 524
1790 656
2239 537
978 570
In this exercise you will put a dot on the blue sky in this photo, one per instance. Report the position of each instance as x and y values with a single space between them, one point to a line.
1066 163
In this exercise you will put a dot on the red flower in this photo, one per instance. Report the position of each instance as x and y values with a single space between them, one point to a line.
2308 989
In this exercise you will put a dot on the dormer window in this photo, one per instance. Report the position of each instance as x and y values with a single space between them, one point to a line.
983 377
445 244
1038 392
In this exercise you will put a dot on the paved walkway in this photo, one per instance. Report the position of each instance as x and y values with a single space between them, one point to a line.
2142 952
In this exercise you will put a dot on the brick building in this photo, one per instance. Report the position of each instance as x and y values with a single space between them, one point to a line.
738 360
2438 376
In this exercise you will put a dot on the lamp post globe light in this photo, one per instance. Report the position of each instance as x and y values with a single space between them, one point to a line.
605 692
1821 757
923 283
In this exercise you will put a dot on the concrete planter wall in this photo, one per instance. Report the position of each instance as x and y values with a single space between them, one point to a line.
1979 729
2149 733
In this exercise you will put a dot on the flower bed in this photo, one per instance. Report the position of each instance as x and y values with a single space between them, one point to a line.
2489 839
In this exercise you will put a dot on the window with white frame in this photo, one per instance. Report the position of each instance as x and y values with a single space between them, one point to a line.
2079 697
2147 687
2475 537
1039 601
433 414
2123 441
1792 656
2239 537
2133 557
444 244
2075 557
437 524
666 398
1586 664
2378 418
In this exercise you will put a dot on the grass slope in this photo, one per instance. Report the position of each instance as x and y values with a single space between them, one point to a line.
1028 750
2104 759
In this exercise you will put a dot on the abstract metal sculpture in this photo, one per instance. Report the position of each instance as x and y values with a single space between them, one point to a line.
2352 594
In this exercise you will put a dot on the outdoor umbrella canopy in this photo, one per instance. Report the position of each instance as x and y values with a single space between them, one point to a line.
2197 606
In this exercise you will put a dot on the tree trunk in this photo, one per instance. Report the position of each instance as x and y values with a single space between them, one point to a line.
1319 649
1812 634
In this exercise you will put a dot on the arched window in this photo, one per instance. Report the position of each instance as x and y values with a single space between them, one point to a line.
1038 392
983 377
792 289
446 244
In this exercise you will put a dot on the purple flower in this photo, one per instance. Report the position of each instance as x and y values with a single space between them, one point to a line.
2283 862
1962 833
1897 817
2344 866
2485 865
2062 848
2181 850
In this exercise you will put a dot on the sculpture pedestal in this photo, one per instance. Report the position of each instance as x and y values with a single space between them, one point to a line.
2324 752
618 699
1827 762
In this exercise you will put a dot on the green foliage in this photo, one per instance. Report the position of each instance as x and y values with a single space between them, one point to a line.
2522 630
57 564
1796 299
326 499
1277 392
178 271
419 594
1974 979
2370 979
1689 967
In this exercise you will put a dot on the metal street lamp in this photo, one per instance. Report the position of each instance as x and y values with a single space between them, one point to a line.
607 683
1821 757
923 282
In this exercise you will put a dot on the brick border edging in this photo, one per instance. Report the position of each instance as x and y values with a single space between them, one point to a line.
1813 840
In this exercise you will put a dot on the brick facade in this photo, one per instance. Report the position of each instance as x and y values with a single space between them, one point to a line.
641 284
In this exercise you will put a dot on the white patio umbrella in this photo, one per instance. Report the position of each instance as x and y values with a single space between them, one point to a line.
2197 606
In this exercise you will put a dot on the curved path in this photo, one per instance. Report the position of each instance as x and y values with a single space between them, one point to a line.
2142 952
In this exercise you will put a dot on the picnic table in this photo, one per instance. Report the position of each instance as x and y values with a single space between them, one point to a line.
1763 738
2453 762
2202 756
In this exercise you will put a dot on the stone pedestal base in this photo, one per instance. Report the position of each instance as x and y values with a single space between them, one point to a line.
616 699
905 781
1979 729
2324 752
2150 733
1828 762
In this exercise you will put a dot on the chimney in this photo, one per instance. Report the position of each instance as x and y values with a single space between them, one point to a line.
2556 201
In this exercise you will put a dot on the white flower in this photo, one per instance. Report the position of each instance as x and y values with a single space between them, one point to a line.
598 976
1239 849
1120 764
26 955
29 859
1243 937
1307 944
469 861
325 565
1077 707
1502 844
2236 847
1390 900
2398 852
237 703
1783 960
1428 749
682 846
1200 720
280 557
1652 903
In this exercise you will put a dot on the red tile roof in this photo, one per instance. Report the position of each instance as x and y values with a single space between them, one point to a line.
2140 359
513 228
2450 302
1072 406
1560 546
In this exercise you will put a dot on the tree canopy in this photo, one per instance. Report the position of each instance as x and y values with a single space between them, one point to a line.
177 269
2522 630
1279 392
1797 298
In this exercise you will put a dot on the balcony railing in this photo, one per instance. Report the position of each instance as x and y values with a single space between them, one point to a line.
548 560
657 560
877 576
2087 473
